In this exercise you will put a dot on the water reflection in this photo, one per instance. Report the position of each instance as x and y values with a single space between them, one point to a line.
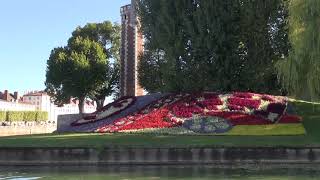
157 172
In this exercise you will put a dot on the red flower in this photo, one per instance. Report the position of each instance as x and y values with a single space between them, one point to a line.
232 107
250 103
184 110
290 119
156 119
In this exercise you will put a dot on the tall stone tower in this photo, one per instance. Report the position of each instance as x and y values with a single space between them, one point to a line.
131 47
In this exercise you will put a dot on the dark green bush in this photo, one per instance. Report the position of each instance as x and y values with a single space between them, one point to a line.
29 115
3 116
15 116
42 116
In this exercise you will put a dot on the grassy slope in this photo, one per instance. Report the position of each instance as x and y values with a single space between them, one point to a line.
309 111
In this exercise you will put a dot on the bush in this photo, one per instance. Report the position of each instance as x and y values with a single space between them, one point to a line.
3 116
15 116
29 116
42 116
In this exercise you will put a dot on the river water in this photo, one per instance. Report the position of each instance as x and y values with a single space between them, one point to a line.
157 172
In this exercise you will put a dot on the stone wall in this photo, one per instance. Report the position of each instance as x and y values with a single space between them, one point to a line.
26 128
158 156
65 120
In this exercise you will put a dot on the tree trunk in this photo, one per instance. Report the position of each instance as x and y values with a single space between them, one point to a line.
81 105
100 103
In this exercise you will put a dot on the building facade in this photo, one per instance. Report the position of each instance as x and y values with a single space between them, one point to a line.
131 48
42 102
6 96
16 106
13 102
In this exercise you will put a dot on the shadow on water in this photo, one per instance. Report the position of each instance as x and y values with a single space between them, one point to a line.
159 172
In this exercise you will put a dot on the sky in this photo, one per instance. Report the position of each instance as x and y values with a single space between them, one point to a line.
30 29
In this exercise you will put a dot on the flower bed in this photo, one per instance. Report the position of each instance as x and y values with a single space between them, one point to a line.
188 110
107 111
154 115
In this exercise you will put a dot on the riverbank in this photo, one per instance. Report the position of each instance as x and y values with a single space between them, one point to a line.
152 149
157 156
310 113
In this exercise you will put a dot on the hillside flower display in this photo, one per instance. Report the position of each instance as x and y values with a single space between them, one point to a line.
107 111
204 113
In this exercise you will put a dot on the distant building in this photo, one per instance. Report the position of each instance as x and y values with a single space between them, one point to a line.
43 103
12 102
6 96
40 101
131 47
16 106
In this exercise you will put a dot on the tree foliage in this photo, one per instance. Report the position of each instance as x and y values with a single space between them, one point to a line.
75 70
108 36
82 68
212 44
300 72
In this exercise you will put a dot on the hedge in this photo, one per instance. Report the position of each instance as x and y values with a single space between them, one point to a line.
3 116
23 116
29 115
15 115
42 116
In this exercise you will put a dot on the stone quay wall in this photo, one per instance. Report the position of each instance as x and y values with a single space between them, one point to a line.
158 156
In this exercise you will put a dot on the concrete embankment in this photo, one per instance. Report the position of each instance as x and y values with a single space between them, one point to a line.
158 156
15 130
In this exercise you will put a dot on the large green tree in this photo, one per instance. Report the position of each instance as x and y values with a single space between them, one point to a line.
75 71
83 69
212 44
300 72
108 36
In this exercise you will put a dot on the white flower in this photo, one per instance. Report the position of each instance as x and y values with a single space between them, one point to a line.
273 116
113 109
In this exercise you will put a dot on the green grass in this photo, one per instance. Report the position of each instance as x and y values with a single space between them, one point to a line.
309 111
268 130
243 130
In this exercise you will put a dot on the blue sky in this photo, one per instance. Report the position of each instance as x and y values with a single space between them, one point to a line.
30 29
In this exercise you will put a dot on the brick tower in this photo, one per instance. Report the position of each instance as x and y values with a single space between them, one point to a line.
131 47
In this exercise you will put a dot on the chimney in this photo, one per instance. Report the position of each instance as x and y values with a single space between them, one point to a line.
6 95
15 96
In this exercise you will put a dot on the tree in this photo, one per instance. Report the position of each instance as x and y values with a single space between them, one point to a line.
264 36
109 87
75 71
300 72
212 44
82 69
108 36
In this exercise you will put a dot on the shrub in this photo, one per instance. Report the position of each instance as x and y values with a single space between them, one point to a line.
3 116
42 116
29 116
15 115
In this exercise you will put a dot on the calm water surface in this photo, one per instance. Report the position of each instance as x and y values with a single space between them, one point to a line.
156 172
